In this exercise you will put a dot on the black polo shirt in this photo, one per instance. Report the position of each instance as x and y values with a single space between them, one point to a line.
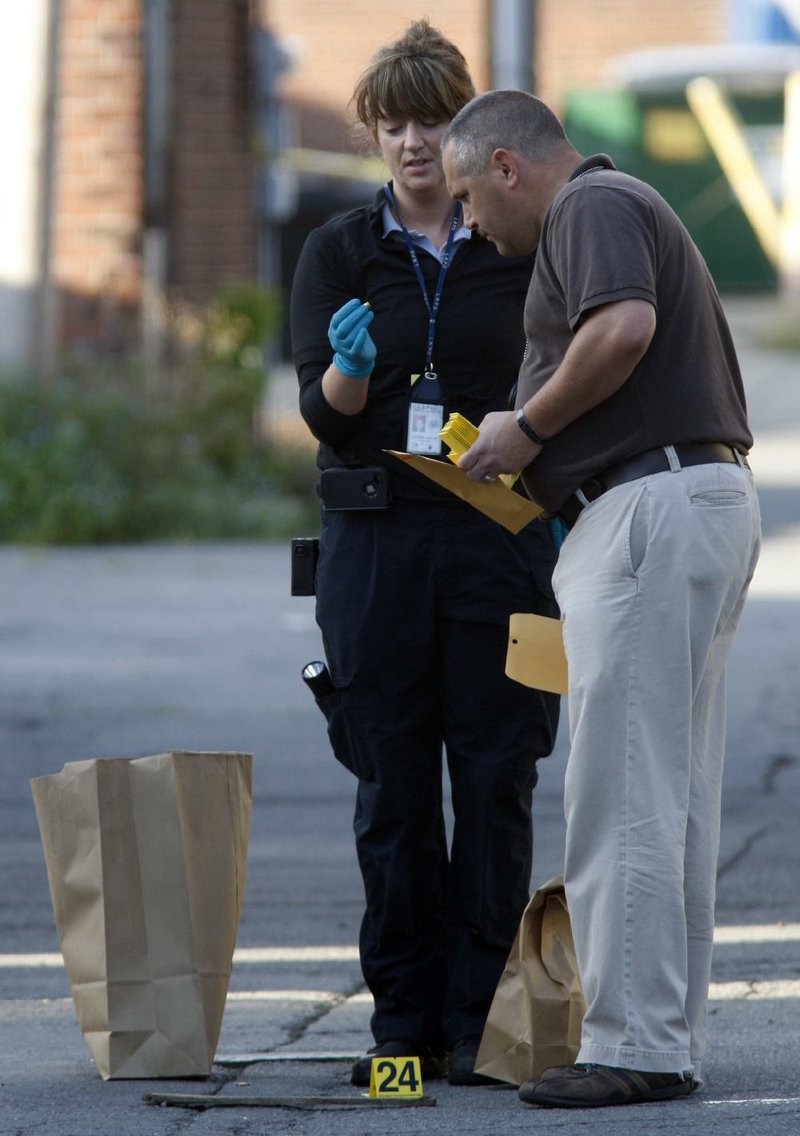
608 237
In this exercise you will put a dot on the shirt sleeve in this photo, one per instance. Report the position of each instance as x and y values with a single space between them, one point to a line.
603 248
322 283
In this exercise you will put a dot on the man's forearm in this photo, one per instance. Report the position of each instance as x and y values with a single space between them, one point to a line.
601 358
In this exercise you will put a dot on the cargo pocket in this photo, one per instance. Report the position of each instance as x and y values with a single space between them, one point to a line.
345 736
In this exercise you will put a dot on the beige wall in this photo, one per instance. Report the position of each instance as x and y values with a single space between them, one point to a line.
22 92
577 38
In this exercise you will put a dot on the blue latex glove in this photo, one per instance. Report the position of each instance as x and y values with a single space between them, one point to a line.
354 350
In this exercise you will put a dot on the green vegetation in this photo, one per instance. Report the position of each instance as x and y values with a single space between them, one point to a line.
107 454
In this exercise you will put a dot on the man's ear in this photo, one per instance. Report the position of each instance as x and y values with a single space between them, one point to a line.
505 163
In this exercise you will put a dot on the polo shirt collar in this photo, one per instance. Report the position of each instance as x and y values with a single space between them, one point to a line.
590 165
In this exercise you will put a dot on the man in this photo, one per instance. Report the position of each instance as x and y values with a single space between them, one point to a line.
631 426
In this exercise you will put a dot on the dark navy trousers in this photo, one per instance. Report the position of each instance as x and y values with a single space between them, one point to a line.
413 603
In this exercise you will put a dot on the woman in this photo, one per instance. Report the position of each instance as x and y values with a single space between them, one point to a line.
414 595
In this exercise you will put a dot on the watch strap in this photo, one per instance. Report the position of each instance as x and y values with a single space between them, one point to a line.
527 429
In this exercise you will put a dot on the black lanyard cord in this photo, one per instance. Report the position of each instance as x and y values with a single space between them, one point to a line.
433 308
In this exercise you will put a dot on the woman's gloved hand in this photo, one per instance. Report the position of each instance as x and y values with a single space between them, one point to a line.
354 350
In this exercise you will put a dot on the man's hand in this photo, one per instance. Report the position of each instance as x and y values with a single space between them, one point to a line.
501 448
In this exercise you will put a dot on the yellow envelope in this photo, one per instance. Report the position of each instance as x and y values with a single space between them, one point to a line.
536 652
492 498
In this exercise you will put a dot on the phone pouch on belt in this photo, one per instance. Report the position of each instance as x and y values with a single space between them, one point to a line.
364 488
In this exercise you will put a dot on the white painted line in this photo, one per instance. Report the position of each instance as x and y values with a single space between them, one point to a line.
243 956
718 992
32 961
295 954
318 996
759 933
754 991
776 573
284 1055
754 1100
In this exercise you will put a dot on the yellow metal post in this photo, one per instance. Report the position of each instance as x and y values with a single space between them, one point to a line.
724 132
790 218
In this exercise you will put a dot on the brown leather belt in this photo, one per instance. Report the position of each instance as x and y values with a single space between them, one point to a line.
651 461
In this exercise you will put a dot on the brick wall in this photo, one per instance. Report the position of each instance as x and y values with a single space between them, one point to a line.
97 207
212 222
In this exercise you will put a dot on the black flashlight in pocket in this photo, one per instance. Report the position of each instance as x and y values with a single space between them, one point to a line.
317 678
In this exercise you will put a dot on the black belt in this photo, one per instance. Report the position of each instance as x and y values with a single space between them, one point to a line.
651 461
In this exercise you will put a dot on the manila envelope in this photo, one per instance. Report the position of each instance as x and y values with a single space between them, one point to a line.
492 498
535 654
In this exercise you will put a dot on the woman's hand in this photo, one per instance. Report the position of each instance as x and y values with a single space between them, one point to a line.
354 350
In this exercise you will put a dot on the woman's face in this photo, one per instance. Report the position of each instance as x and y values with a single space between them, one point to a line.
411 150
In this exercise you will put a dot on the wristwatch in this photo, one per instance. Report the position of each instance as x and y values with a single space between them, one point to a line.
527 429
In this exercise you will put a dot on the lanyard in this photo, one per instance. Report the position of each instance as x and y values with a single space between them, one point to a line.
433 308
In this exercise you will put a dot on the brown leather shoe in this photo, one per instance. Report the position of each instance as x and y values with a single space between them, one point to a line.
598 1086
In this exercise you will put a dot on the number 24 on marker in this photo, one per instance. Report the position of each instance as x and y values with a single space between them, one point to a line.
395 1077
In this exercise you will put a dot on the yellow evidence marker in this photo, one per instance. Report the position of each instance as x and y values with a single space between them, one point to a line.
395 1077
459 434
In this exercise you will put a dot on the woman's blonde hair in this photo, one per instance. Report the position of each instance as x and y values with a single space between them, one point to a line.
423 76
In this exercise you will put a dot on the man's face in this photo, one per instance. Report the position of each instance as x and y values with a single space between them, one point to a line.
492 207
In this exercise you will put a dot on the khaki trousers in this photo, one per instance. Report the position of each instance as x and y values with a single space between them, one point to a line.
651 582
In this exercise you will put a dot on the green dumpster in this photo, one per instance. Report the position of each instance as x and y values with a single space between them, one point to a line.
648 128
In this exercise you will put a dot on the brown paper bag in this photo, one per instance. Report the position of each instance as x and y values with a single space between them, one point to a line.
146 860
535 1018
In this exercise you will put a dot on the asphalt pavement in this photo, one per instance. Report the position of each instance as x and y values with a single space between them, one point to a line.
120 652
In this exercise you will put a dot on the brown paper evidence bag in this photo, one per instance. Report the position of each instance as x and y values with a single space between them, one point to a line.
535 1018
146 861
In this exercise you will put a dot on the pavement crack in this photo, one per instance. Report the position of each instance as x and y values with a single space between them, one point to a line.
742 852
299 1029
777 765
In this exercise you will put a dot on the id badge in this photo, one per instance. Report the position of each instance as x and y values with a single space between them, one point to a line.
425 420
425 414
